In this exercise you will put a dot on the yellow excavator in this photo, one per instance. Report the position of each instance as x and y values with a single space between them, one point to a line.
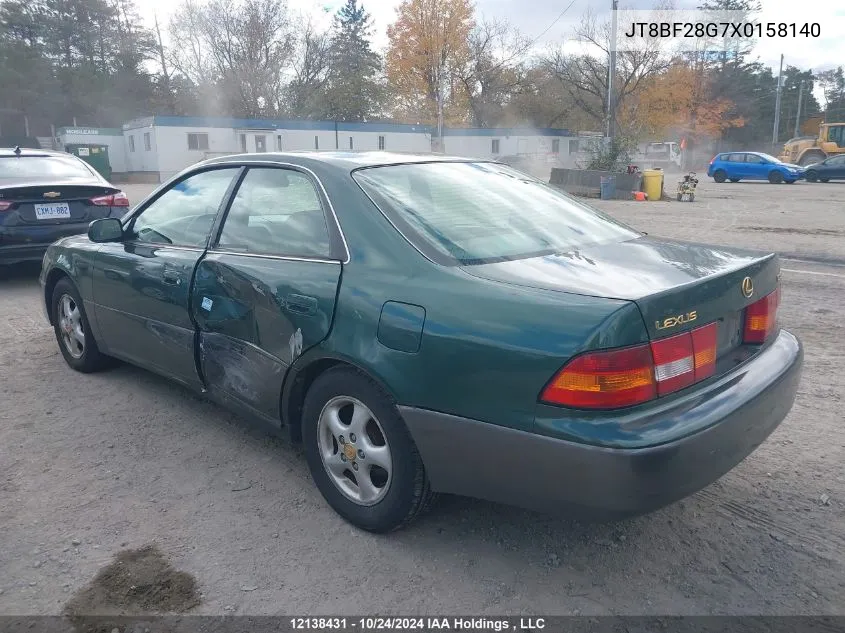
806 150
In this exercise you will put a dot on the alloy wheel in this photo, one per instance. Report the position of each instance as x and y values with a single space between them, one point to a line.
354 450
71 327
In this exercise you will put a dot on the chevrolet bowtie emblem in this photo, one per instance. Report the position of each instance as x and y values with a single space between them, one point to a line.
52 194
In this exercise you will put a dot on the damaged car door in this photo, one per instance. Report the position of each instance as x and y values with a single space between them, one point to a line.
141 284
265 290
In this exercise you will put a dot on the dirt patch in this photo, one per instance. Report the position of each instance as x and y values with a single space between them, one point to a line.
790 231
137 582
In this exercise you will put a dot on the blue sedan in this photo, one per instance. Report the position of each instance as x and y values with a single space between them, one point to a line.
736 166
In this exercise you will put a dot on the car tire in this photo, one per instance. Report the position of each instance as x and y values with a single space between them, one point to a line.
344 399
734 179
775 177
720 175
811 176
72 330
824 179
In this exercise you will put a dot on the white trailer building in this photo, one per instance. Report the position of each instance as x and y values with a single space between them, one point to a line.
160 146
157 147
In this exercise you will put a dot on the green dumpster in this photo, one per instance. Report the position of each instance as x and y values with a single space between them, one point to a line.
95 155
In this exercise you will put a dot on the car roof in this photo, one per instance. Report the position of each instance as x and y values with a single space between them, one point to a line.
347 160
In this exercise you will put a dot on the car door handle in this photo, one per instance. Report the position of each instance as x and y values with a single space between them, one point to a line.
172 279
301 304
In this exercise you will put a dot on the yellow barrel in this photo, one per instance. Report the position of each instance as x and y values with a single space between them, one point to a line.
653 184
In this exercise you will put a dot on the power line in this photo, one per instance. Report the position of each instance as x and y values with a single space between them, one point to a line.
549 27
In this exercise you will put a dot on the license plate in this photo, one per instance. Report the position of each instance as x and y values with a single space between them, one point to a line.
52 210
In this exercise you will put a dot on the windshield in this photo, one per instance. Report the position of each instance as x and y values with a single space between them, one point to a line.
771 159
472 213
42 168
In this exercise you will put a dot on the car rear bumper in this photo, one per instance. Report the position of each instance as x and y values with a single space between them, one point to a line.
738 413
20 244
20 253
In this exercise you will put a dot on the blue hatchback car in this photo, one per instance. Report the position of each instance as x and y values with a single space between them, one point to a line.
736 166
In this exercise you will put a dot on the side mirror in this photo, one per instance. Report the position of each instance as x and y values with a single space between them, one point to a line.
105 230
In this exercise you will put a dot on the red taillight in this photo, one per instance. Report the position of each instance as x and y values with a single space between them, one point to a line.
674 363
761 318
604 380
704 340
624 377
5 205
118 199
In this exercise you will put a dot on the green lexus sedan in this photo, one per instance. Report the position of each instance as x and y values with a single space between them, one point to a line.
428 325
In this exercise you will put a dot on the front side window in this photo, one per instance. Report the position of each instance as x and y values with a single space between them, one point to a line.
736 158
183 215
276 212
836 160
753 159
471 213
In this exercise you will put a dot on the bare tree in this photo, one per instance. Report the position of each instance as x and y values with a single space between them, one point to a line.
584 75
307 90
244 47
493 71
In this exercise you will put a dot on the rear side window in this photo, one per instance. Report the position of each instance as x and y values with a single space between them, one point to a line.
474 213
42 168
276 212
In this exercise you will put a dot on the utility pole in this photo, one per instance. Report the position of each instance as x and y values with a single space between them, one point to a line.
777 104
798 114
611 72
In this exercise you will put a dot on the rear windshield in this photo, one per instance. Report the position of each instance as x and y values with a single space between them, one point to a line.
473 213
42 168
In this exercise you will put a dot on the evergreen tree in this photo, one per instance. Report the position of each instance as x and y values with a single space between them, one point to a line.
354 89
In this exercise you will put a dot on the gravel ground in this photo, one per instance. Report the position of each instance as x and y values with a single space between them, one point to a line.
94 465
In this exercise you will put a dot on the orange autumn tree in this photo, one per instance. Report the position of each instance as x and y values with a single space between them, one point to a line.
428 43
677 103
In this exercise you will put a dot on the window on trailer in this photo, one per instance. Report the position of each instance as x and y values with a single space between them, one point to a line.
131 143
556 146
381 142
573 146
146 141
197 141
495 147
279 142
350 143
316 142
243 143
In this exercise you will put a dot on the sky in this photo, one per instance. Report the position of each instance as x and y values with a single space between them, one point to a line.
556 21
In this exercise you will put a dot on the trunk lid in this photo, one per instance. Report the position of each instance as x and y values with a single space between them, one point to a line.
54 203
677 286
